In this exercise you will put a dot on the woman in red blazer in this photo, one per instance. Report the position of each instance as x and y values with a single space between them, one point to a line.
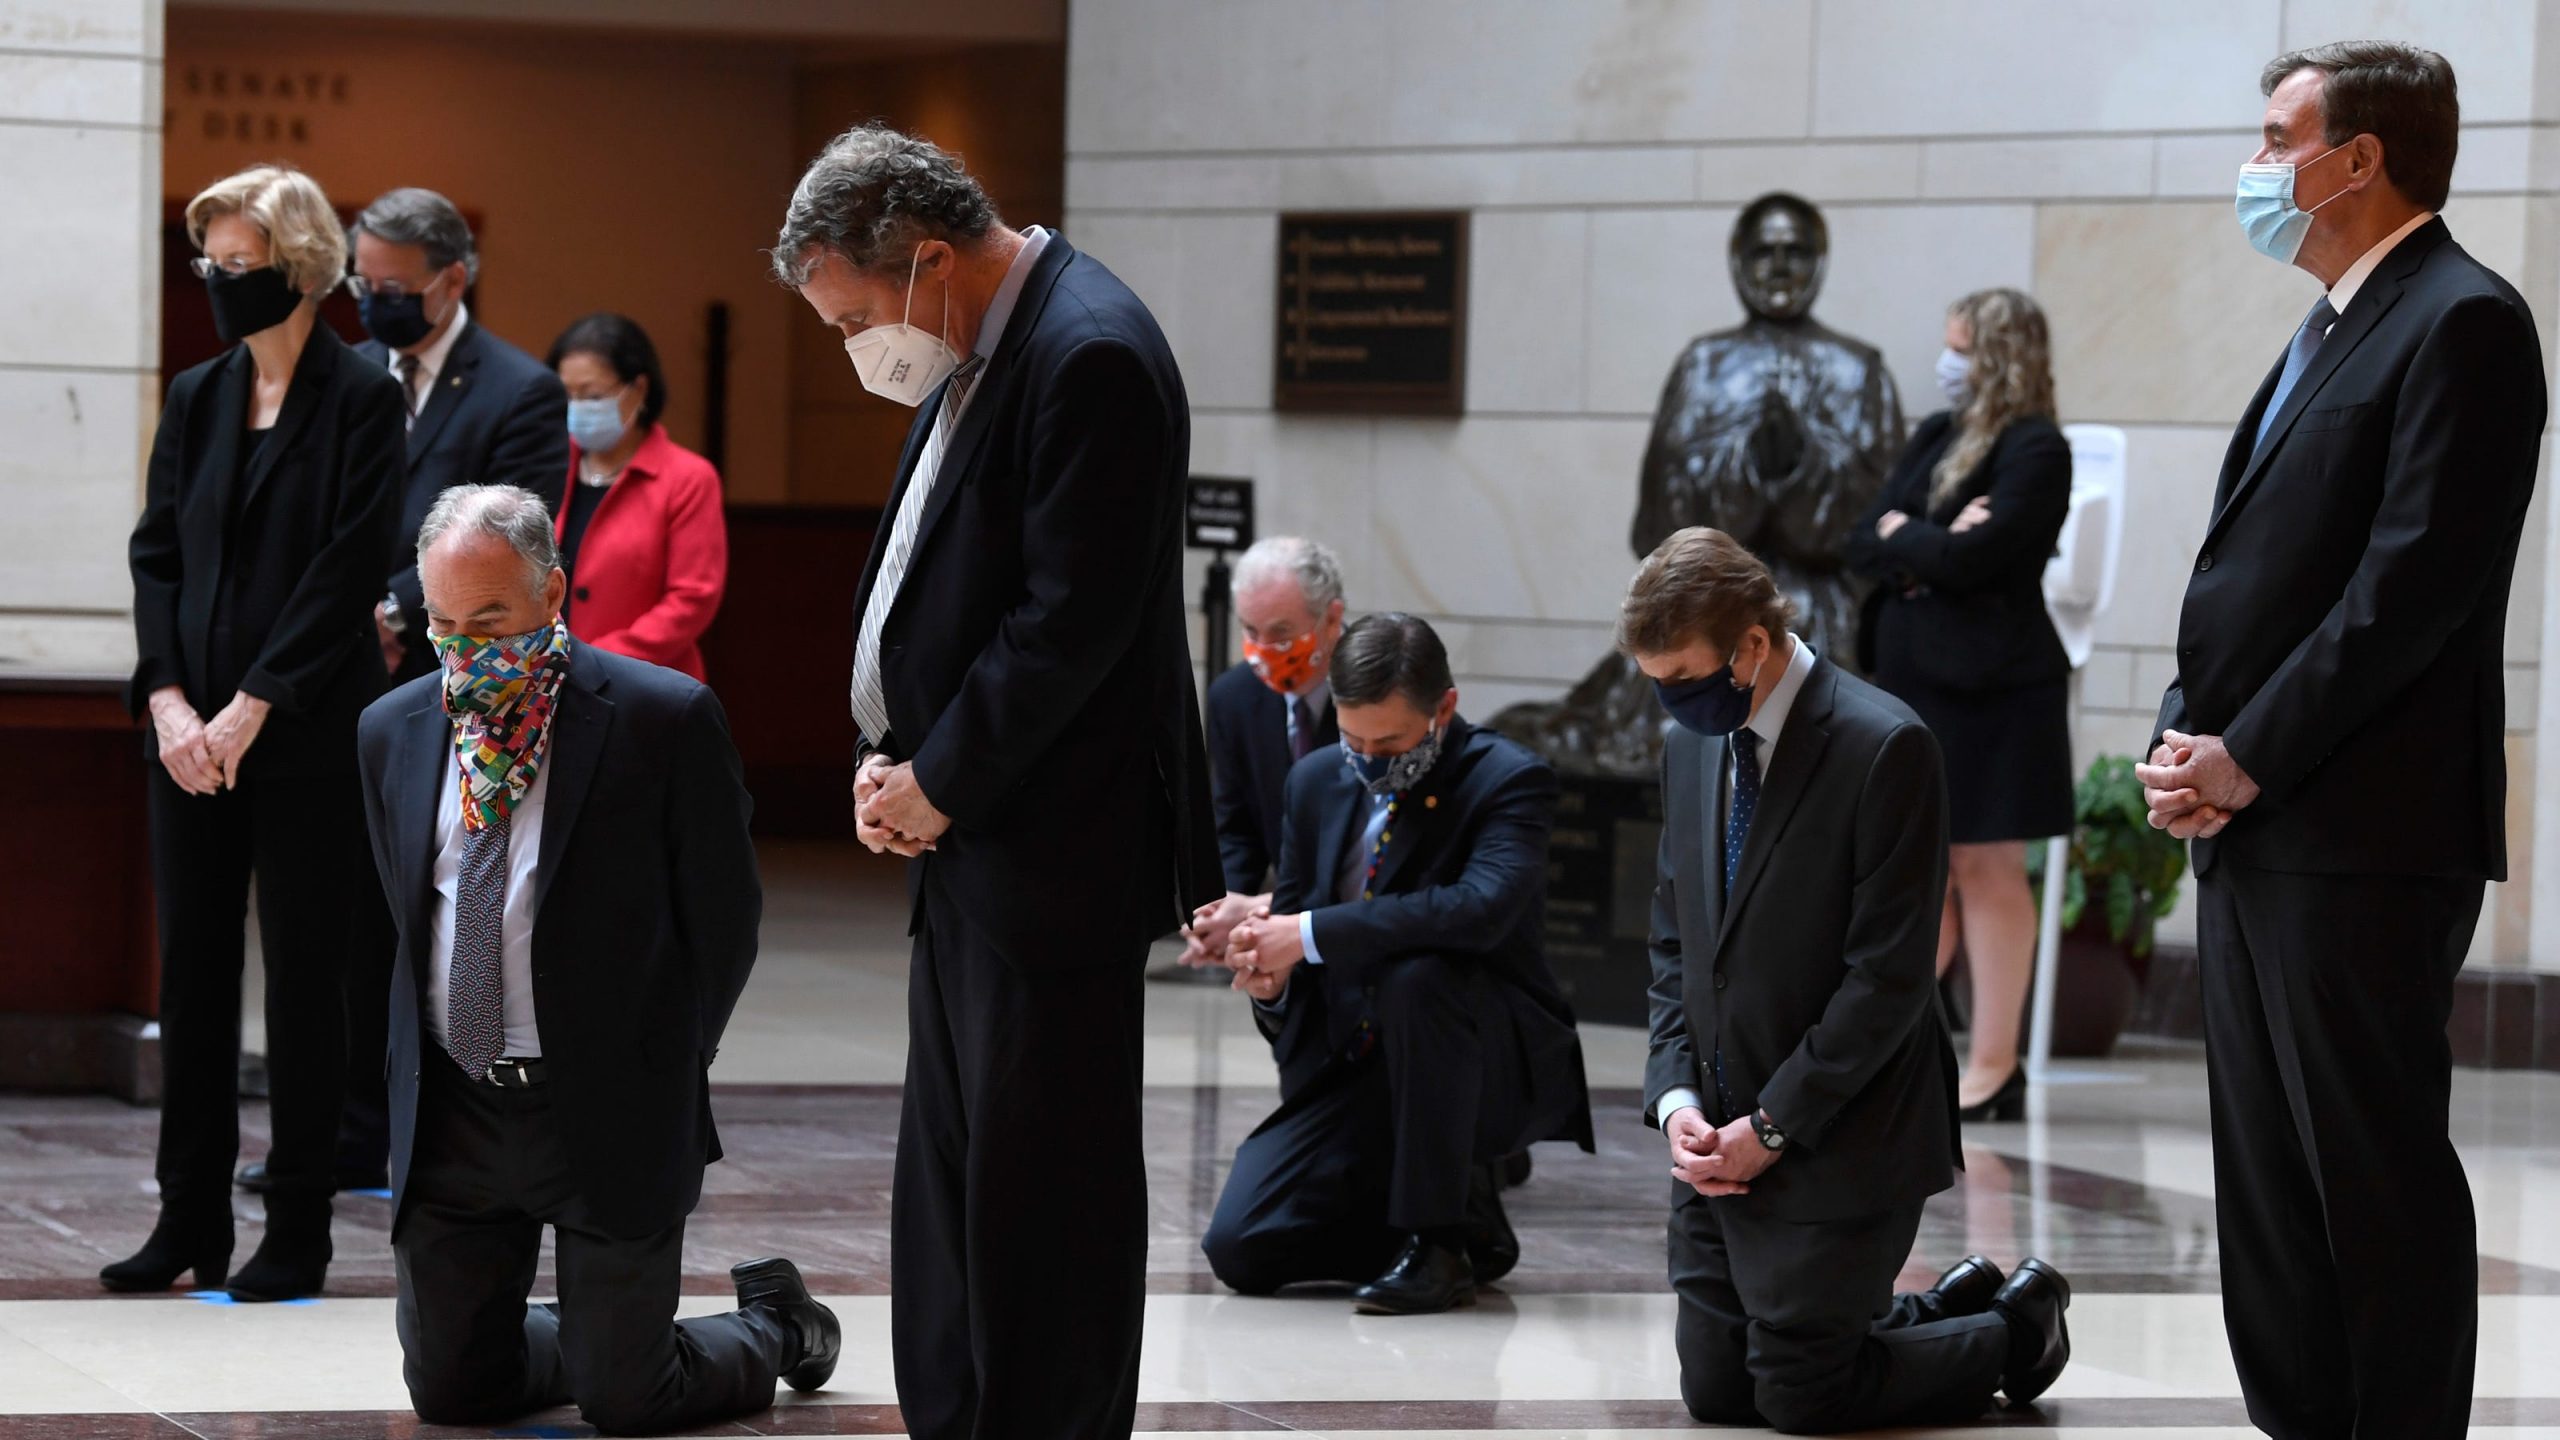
642 534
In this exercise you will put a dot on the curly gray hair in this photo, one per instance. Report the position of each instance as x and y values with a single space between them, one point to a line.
870 197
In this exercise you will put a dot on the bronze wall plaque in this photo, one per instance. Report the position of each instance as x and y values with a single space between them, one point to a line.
1373 313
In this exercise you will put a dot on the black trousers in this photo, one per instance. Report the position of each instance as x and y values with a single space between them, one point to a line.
488 1173
1794 1325
1018 1229
1368 1151
302 838
364 1123
2325 1003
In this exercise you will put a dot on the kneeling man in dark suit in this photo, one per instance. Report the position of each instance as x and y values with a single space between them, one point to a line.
1400 975
1799 1065
562 835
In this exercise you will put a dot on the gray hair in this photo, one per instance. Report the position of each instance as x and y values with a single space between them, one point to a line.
871 197
1312 565
425 219
496 512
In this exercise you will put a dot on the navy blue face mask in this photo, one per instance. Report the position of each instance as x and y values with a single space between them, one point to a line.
398 321
1711 706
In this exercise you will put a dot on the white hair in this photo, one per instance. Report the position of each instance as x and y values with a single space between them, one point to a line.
1311 564
504 513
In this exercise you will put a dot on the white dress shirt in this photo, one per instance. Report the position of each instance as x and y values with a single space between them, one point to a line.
2343 294
867 695
431 360
1769 725
524 857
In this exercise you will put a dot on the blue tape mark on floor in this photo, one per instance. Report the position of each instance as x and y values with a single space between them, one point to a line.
376 1194
223 1297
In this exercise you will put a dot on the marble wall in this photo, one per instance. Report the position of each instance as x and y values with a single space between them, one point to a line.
79 320
2081 149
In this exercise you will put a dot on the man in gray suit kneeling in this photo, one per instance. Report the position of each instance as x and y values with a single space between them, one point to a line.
1800 1066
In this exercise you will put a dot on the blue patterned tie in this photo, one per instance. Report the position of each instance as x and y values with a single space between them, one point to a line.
1737 830
475 980
2297 358
1746 799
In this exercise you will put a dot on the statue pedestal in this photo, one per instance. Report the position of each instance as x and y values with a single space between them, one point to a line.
1601 865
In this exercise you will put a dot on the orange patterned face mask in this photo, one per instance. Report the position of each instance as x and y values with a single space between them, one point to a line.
1285 668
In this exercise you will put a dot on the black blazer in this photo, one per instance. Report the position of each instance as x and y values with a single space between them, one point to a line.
644 930
1967 611
1249 762
1037 658
263 579
2345 621
1464 878
1819 975
497 416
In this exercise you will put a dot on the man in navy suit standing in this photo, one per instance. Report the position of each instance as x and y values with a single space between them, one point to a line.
1030 738
2335 744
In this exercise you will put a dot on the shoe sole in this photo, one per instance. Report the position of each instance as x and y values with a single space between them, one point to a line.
1370 1307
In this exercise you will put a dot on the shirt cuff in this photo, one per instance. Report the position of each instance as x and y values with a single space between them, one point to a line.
1675 1100
1307 936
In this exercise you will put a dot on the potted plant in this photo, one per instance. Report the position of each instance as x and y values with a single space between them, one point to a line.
2132 873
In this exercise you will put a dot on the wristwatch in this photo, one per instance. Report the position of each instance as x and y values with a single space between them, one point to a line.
1772 1138
391 615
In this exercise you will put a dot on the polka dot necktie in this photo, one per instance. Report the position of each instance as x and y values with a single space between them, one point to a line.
1746 799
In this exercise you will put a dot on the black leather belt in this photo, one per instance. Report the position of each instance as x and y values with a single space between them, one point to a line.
516 1074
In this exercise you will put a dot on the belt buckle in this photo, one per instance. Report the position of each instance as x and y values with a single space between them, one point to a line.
506 1075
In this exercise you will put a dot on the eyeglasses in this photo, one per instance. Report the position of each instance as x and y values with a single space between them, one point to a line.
360 287
204 266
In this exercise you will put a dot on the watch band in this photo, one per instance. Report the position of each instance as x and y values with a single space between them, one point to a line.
1771 1137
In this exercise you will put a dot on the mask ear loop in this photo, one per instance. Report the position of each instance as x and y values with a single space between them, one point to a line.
2314 160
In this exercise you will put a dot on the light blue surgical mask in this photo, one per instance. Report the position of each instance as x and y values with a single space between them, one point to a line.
2267 212
597 424
1955 378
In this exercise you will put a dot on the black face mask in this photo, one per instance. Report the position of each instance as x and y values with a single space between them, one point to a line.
250 301
398 321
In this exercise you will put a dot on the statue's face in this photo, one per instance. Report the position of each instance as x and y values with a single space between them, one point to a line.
1777 266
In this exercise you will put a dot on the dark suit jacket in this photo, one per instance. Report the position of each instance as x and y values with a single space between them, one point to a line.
1249 763
1966 611
262 579
1464 878
497 417
1819 974
1037 659
644 930
2345 621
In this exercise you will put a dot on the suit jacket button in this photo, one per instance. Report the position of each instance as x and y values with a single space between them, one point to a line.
582 592
2203 562
1719 979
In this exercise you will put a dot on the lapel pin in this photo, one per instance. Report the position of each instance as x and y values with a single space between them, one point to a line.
1430 802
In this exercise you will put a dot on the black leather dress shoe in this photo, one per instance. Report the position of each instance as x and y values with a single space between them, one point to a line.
775 1287
1515 1169
1425 1280
2039 1343
253 1178
1968 1288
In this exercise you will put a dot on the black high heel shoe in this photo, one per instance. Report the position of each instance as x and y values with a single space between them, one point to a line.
175 1247
2006 1104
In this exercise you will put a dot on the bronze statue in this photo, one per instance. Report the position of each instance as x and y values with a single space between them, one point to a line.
1778 432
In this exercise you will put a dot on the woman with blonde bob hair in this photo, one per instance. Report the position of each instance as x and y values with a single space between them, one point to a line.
267 518
1956 543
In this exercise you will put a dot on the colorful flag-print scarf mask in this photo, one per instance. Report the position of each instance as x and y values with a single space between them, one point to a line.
501 693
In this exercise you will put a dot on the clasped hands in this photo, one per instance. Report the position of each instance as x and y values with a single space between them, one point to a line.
1977 512
203 756
2193 786
1715 1162
890 812
1240 932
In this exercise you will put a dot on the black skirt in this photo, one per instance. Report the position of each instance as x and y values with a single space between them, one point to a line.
2008 754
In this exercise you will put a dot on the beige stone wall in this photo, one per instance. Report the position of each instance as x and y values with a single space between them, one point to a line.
80 84
2083 149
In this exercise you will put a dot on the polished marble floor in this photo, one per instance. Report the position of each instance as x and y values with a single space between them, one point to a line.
2110 1178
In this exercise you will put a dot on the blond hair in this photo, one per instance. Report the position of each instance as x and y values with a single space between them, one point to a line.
291 210
2011 379
1700 584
